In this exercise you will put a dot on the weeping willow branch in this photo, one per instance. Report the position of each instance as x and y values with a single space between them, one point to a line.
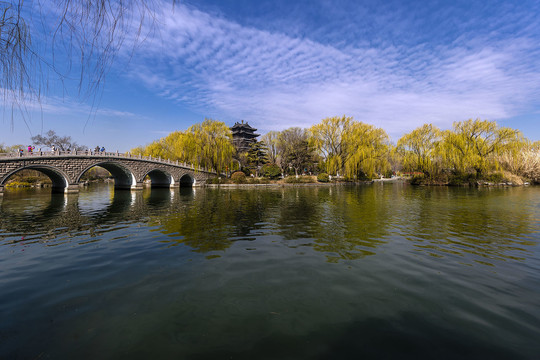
85 37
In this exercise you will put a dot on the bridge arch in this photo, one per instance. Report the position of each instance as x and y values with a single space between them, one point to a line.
160 178
60 180
123 176
65 169
187 180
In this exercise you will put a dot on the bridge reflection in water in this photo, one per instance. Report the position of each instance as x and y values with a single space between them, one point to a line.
63 216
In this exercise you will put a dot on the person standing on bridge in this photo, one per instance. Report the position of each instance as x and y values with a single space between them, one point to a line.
96 150
103 149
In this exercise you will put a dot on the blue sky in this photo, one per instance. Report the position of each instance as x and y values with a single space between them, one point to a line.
277 64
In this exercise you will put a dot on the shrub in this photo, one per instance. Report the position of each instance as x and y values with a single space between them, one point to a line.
495 178
271 171
215 180
299 180
18 184
238 177
461 179
251 180
511 178
323 177
246 171
418 180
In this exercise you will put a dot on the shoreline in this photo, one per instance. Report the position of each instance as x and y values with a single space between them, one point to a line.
289 184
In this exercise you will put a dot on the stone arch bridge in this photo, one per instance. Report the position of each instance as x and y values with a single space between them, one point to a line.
65 169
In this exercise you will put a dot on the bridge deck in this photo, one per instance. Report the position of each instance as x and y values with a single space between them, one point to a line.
86 153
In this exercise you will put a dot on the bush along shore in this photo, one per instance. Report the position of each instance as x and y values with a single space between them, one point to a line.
240 179
469 179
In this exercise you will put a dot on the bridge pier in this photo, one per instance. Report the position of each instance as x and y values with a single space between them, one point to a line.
72 189
1 190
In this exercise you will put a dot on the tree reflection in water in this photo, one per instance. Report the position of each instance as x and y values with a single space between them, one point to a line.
342 222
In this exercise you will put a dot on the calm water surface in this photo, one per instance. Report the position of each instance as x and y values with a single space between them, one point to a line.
375 271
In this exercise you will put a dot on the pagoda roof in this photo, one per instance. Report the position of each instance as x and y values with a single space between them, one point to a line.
243 126
245 133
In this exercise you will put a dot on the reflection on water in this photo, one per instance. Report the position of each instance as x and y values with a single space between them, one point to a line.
344 223
386 270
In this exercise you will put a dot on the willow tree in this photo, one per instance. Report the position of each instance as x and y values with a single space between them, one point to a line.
418 149
210 142
207 144
154 149
473 145
368 150
63 40
329 139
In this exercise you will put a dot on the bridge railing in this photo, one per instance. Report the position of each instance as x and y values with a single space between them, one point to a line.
98 154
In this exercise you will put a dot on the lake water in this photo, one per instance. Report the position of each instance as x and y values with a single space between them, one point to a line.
348 272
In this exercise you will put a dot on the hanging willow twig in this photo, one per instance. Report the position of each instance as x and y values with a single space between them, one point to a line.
84 39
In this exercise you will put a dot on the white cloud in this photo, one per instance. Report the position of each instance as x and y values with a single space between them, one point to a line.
276 81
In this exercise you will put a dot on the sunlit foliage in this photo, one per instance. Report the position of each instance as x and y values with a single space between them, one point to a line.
368 150
211 144
418 148
472 149
473 145
350 148
329 139
12 148
207 145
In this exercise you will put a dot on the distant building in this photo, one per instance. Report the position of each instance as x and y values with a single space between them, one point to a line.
243 136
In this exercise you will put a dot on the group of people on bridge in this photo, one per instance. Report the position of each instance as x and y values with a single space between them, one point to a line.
54 149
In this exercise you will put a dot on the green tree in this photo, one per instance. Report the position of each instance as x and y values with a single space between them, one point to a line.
207 144
418 149
271 171
256 156
368 151
349 147
330 140
296 150
473 145
210 144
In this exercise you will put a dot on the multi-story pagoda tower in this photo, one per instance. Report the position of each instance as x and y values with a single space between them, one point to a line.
243 136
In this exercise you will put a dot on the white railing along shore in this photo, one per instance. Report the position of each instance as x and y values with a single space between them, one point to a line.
85 153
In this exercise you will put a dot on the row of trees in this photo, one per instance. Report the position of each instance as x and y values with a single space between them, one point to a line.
473 147
341 146
337 146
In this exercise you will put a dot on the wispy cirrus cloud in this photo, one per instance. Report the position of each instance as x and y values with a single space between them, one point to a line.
275 80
